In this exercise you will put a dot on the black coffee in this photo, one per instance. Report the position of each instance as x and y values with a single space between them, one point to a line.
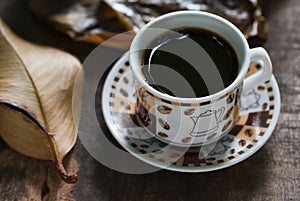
190 62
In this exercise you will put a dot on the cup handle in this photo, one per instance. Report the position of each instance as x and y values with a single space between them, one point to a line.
264 74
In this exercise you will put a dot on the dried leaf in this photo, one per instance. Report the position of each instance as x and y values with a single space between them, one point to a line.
97 20
245 14
92 21
36 86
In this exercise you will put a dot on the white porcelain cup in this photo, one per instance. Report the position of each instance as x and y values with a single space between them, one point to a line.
201 120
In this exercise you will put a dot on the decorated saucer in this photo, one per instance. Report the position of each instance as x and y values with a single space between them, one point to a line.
259 114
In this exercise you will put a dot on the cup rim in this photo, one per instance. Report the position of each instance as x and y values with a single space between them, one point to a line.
136 67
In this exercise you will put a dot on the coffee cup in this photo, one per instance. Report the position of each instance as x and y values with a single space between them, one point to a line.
192 121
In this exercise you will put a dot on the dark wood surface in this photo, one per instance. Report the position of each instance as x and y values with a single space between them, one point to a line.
273 173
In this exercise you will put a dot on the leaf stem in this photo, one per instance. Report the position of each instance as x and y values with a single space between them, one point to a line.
59 164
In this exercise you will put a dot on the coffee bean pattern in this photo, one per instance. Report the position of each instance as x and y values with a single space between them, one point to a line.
211 136
230 98
249 132
186 139
242 143
163 124
189 112
145 118
125 79
124 92
163 135
264 106
261 88
226 126
228 113
164 109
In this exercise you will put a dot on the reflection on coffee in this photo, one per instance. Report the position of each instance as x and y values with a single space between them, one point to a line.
190 62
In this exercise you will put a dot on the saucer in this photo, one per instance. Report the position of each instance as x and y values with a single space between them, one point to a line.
259 114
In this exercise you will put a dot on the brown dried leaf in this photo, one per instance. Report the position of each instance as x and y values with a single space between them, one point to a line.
95 21
36 86
92 21
245 14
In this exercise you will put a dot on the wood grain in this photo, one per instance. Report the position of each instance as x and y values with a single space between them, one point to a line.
271 174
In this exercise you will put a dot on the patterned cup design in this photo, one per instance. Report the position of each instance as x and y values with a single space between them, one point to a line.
187 124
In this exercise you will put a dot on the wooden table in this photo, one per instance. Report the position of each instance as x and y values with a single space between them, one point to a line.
273 173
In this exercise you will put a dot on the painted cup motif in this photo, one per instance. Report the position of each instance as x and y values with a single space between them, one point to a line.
207 122
185 124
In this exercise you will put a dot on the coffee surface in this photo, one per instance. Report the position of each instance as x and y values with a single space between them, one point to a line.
190 62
